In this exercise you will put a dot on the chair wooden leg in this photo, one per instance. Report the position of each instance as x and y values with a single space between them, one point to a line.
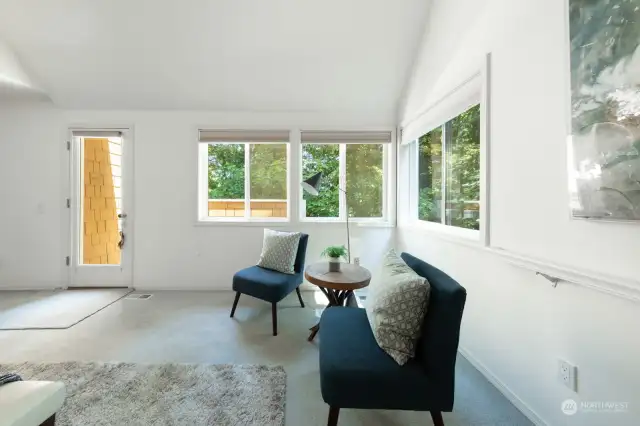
274 318
235 303
334 412
436 416
51 421
300 297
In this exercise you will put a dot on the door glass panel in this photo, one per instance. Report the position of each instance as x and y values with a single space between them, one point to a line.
101 200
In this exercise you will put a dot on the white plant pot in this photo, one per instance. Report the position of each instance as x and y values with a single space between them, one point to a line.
334 264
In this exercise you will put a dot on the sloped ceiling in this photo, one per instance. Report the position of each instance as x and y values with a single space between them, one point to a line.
15 83
268 55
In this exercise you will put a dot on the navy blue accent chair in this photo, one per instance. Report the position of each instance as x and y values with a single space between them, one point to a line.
356 373
271 286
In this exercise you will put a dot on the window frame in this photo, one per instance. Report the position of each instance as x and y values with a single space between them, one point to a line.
446 108
453 230
203 186
342 183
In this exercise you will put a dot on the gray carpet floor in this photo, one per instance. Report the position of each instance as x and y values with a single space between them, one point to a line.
194 327
115 394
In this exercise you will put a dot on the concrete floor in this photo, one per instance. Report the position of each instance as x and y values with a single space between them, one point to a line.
194 327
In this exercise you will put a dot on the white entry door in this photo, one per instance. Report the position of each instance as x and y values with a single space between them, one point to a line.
101 218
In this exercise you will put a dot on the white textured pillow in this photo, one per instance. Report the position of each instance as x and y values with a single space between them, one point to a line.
279 250
396 305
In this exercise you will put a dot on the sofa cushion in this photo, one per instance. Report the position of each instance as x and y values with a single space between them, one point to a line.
265 284
396 305
279 250
356 373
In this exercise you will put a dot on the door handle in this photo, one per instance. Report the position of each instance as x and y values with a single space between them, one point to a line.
122 216
122 239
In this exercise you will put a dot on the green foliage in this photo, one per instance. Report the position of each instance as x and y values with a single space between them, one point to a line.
335 252
462 162
325 159
268 175
364 180
226 171
268 171
427 207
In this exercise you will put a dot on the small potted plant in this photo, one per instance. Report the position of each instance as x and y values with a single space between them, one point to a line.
334 253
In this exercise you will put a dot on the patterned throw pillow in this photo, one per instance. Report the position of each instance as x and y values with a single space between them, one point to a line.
279 250
396 305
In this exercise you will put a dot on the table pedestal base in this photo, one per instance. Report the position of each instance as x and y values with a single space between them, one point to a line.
336 298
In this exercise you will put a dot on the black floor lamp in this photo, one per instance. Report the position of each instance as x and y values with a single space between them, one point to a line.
312 186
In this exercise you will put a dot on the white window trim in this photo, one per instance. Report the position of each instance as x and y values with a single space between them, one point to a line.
474 237
203 191
384 221
294 191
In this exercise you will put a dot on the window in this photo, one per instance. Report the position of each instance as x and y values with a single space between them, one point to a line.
353 174
244 179
323 158
245 176
449 172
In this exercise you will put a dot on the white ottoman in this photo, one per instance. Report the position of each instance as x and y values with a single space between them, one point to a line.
30 403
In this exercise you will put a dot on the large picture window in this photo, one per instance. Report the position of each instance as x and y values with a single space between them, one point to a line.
245 176
244 180
354 176
449 172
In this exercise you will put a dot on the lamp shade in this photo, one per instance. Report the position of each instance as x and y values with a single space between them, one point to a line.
312 185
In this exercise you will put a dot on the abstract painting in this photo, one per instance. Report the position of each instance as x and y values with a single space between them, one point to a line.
604 147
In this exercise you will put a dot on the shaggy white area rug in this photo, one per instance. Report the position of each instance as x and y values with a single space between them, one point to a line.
164 394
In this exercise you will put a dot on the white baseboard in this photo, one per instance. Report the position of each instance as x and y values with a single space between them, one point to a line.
17 288
504 389
154 287
211 289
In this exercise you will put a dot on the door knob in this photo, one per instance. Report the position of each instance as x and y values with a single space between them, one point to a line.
122 216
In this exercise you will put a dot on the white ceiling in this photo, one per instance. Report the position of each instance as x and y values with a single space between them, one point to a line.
258 55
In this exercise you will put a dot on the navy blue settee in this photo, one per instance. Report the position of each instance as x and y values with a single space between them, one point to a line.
356 373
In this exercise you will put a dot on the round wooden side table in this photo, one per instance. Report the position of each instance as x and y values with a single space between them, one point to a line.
337 286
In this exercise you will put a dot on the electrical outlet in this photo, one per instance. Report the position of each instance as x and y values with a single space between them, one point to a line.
567 374
356 260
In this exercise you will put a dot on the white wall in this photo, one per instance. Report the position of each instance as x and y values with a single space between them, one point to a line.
516 325
169 250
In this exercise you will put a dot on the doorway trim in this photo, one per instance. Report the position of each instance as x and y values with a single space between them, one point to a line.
72 200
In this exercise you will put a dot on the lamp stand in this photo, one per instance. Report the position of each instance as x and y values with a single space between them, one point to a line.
346 202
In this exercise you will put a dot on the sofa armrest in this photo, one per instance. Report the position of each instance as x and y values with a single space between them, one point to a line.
30 403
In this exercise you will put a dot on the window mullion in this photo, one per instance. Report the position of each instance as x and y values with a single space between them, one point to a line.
342 182
414 180
203 180
445 158
247 180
